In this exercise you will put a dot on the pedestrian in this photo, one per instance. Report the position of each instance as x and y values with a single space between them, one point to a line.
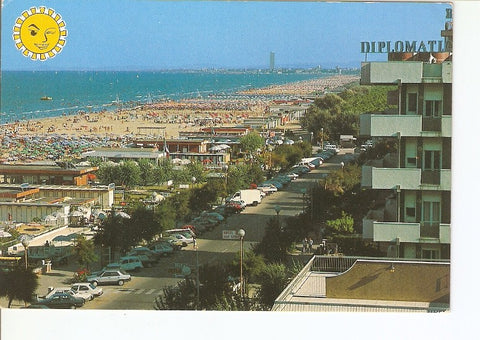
310 245
304 245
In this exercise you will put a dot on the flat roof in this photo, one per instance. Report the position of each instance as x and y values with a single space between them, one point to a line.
308 291
43 169
125 153
57 187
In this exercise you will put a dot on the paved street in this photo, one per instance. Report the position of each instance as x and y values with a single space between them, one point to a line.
147 283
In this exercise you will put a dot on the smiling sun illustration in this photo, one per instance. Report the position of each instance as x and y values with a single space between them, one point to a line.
39 33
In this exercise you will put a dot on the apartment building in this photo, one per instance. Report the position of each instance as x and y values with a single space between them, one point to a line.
411 217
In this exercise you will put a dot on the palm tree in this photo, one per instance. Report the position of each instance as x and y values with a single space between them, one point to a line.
18 283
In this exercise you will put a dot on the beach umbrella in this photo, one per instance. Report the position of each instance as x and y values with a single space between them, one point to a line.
4 233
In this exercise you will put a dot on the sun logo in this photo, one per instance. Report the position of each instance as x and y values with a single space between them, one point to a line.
39 33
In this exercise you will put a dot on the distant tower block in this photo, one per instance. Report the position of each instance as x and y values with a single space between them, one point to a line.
272 61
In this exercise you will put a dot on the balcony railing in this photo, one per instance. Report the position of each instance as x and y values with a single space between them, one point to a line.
431 177
430 229
431 124
406 178
410 232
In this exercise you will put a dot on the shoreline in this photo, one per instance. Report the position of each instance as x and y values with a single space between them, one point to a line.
34 138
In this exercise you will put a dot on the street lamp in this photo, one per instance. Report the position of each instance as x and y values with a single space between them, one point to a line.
321 130
25 243
195 246
241 233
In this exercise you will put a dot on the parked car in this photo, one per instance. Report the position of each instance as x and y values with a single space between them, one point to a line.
128 263
162 248
233 207
67 290
292 175
61 300
87 287
146 256
108 276
332 147
267 188
239 202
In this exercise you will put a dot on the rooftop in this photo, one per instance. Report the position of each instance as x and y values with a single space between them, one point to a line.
347 284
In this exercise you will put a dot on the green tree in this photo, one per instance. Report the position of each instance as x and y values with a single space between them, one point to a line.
128 174
163 172
275 244
180 203
19 283
166 215
142 225
179 297
113 233
273 281
202 197
342 225
108 173
147 172
85 251
196 170
251 142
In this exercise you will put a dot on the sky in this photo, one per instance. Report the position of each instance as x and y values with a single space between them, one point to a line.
146 35
153 35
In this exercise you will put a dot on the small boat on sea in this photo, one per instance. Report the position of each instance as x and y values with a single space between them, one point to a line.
46 98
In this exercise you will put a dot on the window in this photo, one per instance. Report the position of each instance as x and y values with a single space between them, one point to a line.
432 108
412 102
410 212
430 254
432 160
412 161
431 213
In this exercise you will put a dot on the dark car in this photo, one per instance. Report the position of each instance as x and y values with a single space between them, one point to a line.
61 300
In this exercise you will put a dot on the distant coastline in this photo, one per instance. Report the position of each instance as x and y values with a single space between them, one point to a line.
91 91
69 135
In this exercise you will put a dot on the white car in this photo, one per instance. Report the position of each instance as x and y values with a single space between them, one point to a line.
180 239
87 287
292 175
332 147
86 296
267 188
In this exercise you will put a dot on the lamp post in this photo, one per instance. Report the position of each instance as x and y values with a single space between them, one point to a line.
241 233
321 130
25 243
195 245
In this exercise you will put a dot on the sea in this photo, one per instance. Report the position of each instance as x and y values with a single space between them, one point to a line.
92 91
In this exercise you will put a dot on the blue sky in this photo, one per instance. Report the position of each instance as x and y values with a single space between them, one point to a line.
129 34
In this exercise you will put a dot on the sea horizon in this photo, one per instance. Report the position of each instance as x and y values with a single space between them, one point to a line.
70 92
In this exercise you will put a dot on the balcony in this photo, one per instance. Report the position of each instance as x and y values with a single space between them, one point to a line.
412 72
384 125
406 178
409 232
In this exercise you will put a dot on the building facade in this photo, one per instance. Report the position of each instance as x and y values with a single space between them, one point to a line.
411 218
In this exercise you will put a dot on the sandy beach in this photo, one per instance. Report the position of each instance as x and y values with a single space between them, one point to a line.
24 140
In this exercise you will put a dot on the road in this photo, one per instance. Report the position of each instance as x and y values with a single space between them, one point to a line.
146 284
